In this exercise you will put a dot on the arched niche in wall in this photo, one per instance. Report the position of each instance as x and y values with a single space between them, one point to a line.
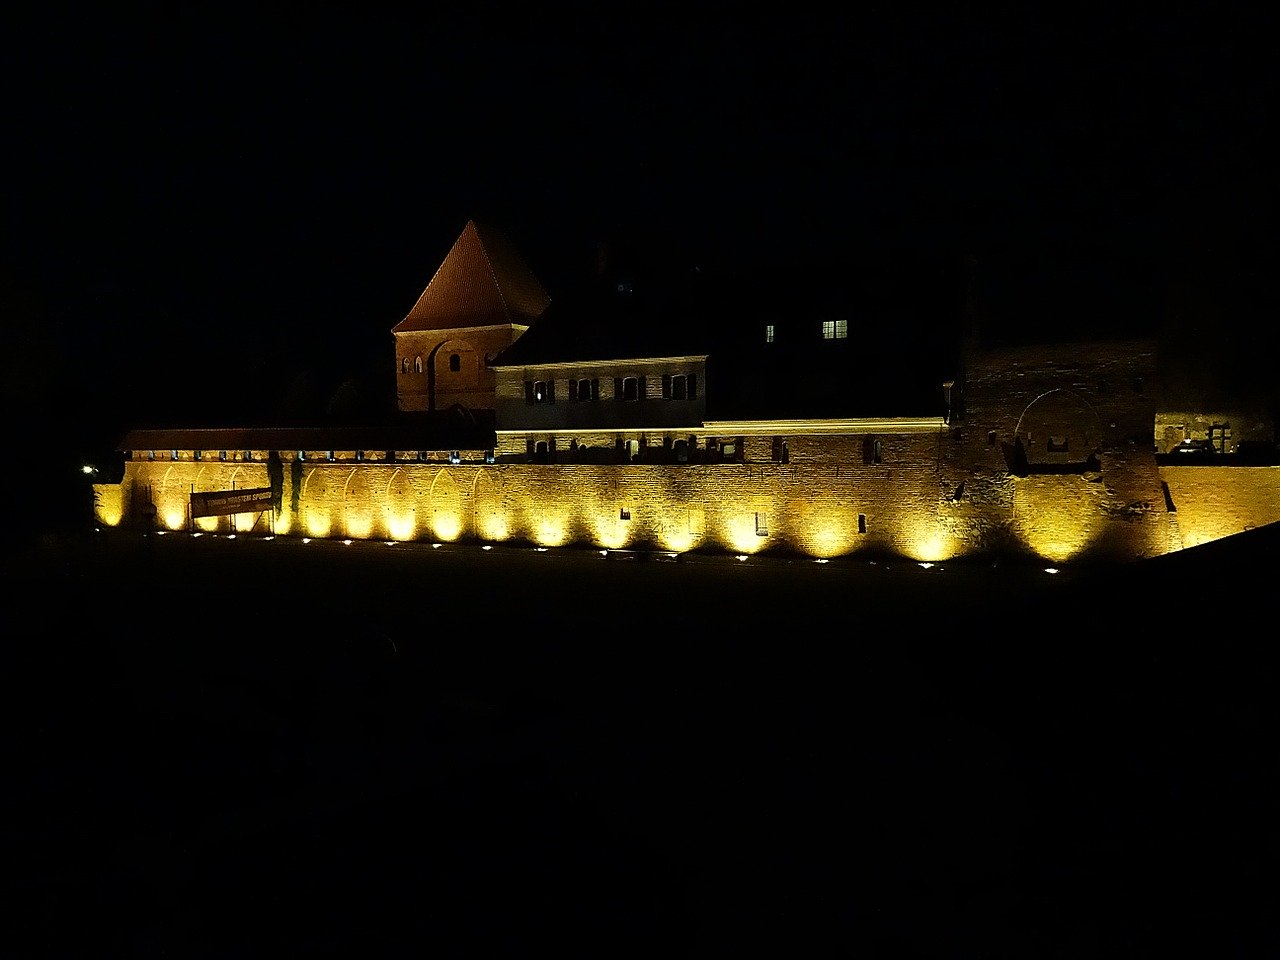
1058 432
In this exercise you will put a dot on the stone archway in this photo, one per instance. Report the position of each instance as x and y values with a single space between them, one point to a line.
1058 431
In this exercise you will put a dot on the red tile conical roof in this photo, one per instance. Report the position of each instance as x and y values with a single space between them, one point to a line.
482 282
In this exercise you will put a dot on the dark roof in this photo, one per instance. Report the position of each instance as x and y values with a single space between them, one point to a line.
482 282
903 324
455 429
613 319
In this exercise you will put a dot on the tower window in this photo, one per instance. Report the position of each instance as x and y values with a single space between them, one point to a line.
455 363
404 365
768 333
835 329
417 364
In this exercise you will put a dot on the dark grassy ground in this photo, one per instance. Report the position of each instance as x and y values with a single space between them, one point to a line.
219 748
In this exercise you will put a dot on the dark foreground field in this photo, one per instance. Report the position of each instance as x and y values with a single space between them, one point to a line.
223 749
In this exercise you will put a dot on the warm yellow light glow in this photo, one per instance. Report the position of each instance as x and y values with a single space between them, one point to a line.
1050 569
108 502
928 542
830 539
742 534
360 525
173 519
318 524
401 524
1054 519
676 540
551 531
448 525
610 532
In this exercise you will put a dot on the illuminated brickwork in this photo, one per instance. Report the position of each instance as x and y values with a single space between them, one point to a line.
1214 502
435 370
912 504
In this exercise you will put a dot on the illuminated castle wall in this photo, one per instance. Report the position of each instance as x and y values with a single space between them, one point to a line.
1048 455
833 507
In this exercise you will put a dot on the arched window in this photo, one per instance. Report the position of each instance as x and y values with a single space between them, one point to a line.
404 365
417 364
455 363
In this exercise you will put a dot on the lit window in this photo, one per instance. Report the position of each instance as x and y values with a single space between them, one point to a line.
173 454
543 391
768 333
222 454
835 329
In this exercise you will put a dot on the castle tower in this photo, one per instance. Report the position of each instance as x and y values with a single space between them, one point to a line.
480 301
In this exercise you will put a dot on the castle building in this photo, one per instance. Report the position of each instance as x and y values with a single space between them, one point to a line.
684 418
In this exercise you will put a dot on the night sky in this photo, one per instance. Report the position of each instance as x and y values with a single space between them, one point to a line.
210 196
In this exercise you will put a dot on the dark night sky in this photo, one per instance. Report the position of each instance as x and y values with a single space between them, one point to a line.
289 176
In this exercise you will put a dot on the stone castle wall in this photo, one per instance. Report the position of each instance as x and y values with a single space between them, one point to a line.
921 504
